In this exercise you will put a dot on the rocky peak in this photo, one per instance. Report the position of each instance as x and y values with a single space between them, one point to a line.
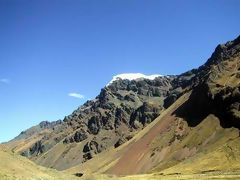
224 51
133 76
148 87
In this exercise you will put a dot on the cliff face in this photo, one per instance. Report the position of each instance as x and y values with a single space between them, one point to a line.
125 107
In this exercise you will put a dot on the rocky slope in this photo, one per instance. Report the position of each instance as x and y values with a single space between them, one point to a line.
202 120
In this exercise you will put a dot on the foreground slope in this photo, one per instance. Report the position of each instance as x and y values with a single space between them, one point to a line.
13 166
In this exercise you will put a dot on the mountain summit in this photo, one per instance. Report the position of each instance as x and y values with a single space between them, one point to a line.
133 76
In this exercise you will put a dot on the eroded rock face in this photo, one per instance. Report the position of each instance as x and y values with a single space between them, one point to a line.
91 148
79 135
94 125
145 114
37 149
122 140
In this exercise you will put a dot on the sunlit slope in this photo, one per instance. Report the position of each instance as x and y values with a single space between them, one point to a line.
225 158
13 166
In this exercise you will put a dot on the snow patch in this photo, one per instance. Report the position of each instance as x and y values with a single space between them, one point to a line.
133 76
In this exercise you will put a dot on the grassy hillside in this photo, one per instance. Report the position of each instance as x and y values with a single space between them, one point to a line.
13 166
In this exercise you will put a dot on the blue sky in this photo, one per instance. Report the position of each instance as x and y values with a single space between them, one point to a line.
49 49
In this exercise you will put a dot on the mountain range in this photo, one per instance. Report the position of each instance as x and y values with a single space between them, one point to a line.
172 126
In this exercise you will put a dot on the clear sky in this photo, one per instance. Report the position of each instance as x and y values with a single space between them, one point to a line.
50 48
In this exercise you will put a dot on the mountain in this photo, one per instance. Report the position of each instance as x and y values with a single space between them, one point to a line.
149 124
121 110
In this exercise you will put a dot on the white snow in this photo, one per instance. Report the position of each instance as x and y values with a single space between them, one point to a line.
133 76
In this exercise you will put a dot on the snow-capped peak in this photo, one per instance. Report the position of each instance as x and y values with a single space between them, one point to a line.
133 76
